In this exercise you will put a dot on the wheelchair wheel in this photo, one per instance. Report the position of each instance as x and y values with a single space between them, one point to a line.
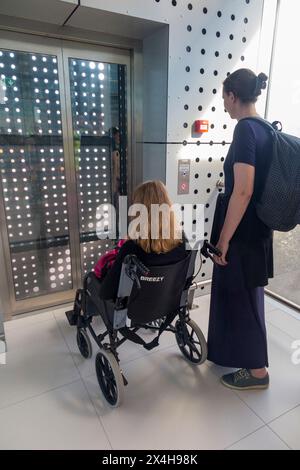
109 378
84 343
191 341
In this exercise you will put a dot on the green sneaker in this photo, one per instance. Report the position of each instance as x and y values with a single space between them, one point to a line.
243 380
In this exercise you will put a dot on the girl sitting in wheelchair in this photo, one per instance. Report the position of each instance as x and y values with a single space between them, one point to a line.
147 282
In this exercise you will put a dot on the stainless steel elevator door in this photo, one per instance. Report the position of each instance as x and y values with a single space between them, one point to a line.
33 174
98 103
63 152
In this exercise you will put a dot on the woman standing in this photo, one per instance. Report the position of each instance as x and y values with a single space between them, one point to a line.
237 332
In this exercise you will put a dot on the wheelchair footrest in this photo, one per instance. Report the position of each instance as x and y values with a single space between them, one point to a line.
72 317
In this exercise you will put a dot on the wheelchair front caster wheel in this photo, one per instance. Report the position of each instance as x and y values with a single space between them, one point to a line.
84 343
191 341
110 378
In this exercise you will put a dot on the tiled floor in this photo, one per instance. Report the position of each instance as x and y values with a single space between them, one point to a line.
50 398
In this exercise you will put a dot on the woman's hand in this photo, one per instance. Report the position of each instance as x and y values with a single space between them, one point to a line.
223 246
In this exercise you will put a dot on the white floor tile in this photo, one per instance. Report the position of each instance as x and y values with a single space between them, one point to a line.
283 393
285 322
128 351
38 360
288 428
281 306
21 321
170 404
61 419
263 439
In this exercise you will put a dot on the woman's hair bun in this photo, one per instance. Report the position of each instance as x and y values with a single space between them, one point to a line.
262 81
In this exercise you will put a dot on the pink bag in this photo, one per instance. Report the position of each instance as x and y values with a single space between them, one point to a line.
106 261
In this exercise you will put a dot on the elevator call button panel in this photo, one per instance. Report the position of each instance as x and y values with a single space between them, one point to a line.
184 168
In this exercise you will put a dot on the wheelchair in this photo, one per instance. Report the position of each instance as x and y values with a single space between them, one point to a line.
148 298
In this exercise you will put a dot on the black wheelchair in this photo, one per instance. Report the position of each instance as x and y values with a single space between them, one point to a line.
148 298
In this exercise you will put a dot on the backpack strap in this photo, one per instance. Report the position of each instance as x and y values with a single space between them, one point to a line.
273 127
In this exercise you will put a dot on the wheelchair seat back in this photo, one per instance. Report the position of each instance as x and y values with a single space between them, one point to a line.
161 291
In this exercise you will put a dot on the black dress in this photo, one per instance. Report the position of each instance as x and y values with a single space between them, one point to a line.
237 332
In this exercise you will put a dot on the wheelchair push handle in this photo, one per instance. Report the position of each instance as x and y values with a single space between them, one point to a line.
140 266
208 249
132 261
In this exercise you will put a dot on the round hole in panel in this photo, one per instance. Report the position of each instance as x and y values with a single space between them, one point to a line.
174 3
219 14
204 10
188 48
244 39
187 69
245 20
197 160
217 53
190 6
200 108
195 191
189 28
185 125
203 31
202 51
187 88
231 37
186 107
201 90
218 34
196 175
232 17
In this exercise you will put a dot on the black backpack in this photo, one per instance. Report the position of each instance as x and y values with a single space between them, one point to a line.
279 204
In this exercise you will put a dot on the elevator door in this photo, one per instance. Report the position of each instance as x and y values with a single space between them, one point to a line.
63 152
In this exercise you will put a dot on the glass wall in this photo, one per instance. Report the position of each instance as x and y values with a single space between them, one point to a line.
284 103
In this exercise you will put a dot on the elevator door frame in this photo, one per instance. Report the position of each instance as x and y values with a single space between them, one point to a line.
62 49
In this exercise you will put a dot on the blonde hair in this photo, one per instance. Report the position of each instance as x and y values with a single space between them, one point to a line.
155 192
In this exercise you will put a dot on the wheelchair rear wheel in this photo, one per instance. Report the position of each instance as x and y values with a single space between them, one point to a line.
191 341
110 378
84 343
